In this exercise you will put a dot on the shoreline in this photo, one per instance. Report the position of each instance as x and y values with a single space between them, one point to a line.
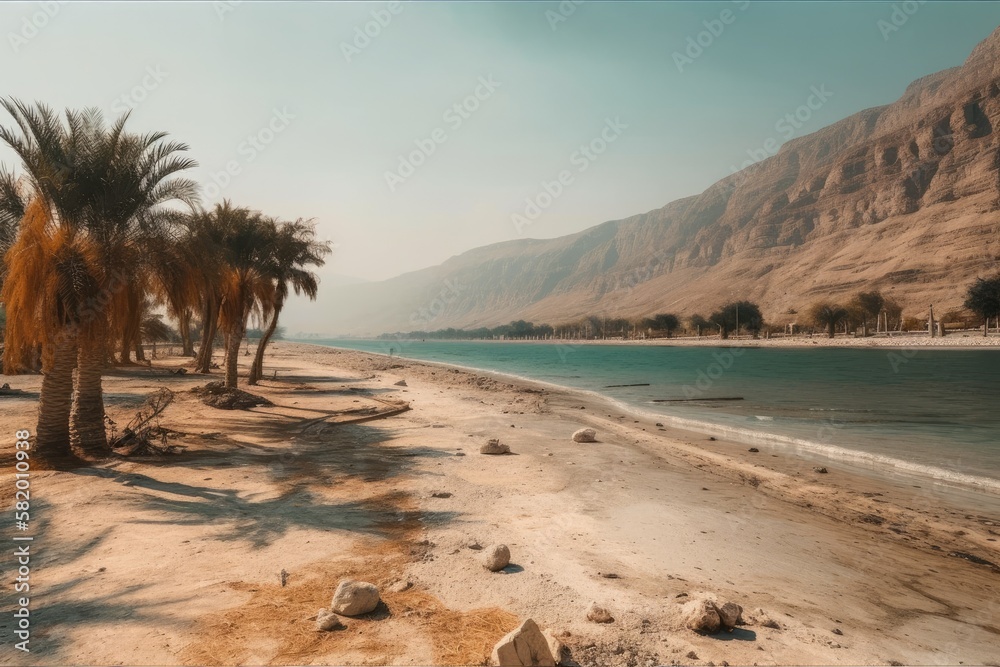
982 489
914 342
298 487
871 464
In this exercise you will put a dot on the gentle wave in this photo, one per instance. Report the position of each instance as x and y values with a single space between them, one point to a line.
878 462
861 458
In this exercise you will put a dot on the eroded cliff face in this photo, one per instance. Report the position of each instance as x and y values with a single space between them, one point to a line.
903 198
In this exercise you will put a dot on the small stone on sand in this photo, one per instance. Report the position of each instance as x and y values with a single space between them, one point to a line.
354 598
494 447
585 435
525 646
730 614
598 614
326 620
497 558
701 616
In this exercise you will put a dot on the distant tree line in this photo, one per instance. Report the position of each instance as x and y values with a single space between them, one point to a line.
863 313
733 318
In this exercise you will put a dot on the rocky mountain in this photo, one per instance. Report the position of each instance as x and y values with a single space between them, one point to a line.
904 198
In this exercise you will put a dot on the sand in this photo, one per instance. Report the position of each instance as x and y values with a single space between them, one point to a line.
178 559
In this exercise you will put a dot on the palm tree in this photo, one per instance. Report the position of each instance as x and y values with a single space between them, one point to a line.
175 271
205 243
246 284
137 175
828 316
294 249
96 190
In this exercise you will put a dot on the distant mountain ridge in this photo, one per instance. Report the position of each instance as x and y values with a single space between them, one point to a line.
903 198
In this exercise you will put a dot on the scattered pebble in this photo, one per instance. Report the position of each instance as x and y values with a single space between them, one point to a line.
326 620
598 614
497 558
494 447
821 470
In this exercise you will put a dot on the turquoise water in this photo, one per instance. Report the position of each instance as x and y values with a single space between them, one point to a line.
930 413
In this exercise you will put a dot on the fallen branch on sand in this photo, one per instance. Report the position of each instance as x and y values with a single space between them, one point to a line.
141 436
612 386
395 409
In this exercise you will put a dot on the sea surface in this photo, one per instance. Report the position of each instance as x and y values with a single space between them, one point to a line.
928 413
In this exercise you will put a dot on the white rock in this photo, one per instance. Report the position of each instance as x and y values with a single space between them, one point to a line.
326 620
354 598
497 558
599 614
701 616
494 446
730 614
558 650
585 435
523 647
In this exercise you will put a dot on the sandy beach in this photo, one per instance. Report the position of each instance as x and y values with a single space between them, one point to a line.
178 559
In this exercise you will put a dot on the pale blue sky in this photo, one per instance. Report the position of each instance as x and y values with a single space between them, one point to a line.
223 73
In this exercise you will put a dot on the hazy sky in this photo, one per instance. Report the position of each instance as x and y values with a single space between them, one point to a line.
331 113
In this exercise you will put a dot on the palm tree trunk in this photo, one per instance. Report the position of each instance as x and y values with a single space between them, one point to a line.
87 426
125 356
257 369
52 448
233 341
140 354
209 322
184 324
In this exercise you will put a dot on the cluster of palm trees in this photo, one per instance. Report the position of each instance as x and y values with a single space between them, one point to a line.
97 232
862 310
